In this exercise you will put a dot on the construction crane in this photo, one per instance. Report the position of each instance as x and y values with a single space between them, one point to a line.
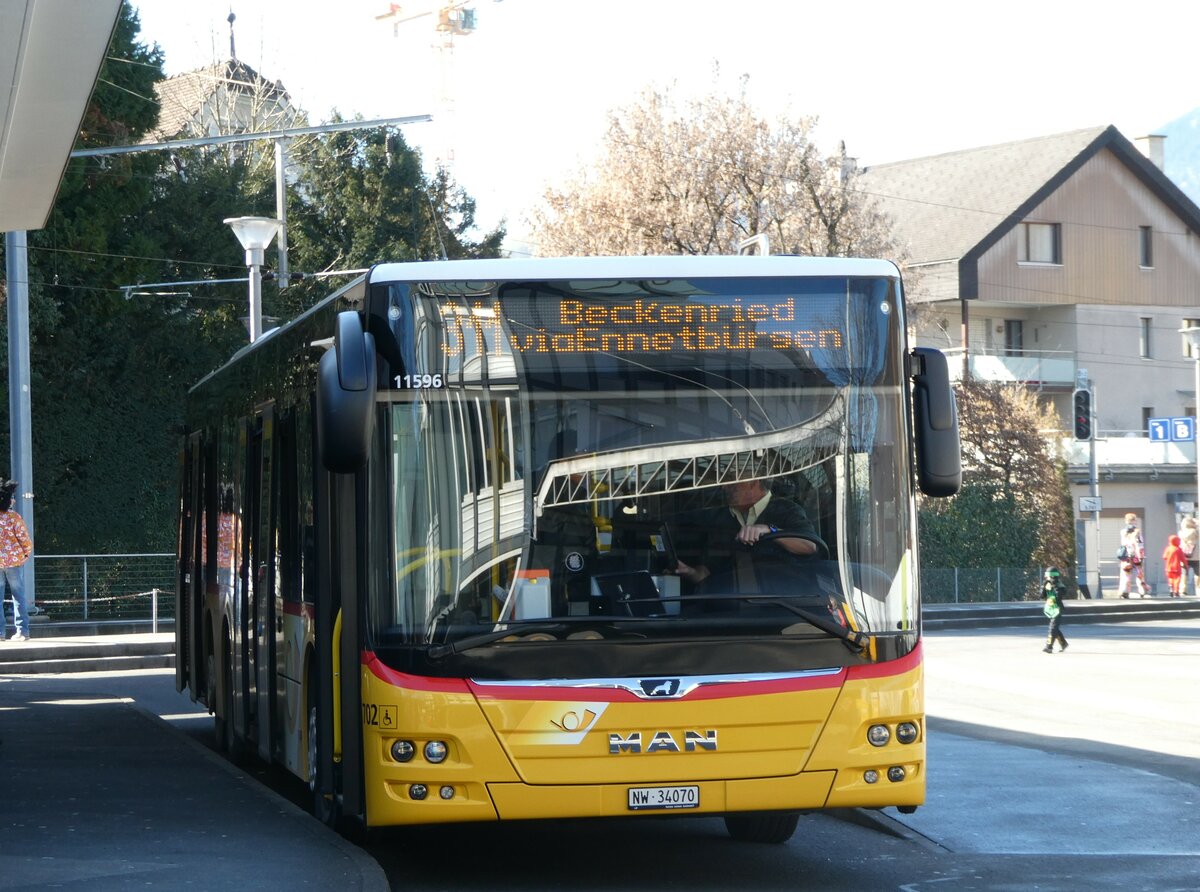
454 19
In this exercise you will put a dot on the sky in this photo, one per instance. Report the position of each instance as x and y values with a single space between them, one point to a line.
524 99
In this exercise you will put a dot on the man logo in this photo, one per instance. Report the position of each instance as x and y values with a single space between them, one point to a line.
660 687
661 742
574 561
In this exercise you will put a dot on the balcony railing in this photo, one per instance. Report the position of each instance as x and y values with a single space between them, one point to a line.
1124 450
1047 367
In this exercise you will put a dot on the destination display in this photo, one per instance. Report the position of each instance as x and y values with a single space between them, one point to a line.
647 325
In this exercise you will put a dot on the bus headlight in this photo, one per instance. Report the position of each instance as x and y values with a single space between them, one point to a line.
436 751
871 776
446 792
906 732
403 750
418 791
895 774
878 735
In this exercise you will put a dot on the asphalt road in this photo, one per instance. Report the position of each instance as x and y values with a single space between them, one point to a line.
1074 771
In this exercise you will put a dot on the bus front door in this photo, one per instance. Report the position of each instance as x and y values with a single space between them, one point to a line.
263 562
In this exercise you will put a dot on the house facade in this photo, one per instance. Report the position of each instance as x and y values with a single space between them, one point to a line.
1059 261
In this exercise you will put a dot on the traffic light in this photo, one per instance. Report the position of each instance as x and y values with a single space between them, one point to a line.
1083 414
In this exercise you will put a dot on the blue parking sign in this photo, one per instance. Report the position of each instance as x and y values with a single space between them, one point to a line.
1160 429
1183 430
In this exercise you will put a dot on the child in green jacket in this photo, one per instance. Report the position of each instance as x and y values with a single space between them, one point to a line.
1053 592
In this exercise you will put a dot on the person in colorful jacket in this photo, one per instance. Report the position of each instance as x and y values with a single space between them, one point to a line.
1053 592
1131 556
15 549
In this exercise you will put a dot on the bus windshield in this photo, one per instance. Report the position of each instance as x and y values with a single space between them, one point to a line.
678 462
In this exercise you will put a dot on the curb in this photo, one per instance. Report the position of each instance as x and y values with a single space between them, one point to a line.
373 879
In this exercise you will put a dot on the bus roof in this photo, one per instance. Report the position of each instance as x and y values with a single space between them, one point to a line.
687 266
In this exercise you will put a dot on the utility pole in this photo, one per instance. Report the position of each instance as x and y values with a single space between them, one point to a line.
20 414
1084 422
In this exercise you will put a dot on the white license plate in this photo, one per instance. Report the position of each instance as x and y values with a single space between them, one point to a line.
664 797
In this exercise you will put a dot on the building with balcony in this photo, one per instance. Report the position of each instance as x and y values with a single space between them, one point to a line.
1051 260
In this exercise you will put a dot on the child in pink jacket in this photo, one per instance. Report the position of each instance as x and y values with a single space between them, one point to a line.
1174 560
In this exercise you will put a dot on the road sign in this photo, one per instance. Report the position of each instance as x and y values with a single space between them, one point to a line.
1183 430
1160 429
1090 503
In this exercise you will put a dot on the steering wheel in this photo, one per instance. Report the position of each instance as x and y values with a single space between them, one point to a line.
822 552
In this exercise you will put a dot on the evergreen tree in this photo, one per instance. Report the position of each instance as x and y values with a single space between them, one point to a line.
111 366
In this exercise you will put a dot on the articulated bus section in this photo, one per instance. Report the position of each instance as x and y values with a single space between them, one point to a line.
443 750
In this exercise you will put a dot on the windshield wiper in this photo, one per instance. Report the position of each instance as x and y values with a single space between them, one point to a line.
855 640
438 651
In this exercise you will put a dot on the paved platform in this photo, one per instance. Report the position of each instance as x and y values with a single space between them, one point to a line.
101 793
1092 751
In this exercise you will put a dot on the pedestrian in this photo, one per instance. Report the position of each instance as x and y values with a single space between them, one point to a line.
1187 542
1053 592
1131 555
15 549
1176 565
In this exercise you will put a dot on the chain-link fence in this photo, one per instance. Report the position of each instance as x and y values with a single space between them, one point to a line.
966 585
105 587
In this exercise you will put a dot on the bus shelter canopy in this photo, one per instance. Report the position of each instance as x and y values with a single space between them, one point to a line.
50 55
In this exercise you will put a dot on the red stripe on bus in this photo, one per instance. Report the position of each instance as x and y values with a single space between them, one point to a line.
721 691
619 695
906 663
412 682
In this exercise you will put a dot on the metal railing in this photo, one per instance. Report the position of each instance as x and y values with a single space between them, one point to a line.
968 585
106 588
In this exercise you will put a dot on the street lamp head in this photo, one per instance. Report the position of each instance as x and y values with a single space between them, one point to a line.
1192 333
255 233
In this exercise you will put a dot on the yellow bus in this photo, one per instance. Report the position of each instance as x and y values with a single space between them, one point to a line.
503 539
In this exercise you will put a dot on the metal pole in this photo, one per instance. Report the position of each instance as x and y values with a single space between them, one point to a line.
20 444
281 266
1094 476
85 589
1196 443
255 301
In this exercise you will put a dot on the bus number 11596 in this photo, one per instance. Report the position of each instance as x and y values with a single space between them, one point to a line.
419 382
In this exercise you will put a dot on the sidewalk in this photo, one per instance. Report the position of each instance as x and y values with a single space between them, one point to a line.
102 794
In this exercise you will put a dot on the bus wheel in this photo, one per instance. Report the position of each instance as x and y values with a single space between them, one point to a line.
324 807
210 697
762 826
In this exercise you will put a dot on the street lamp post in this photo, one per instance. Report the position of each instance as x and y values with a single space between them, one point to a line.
255 233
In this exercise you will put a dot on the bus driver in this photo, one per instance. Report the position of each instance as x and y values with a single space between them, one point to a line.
753 512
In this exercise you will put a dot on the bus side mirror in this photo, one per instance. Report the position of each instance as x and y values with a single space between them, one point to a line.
935 425
346 396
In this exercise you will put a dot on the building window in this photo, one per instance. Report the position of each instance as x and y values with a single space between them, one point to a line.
1014 337
1039 243
1147 414
1147 246
1187 342
1144 337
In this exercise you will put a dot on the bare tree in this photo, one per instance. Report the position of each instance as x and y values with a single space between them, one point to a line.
1008 438
698 176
